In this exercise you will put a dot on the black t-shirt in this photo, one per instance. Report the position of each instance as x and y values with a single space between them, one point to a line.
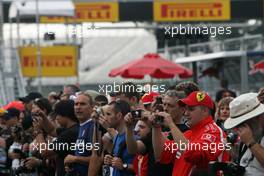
67 137
155 168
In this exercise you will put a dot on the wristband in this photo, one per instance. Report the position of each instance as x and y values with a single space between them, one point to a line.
125 166
108 136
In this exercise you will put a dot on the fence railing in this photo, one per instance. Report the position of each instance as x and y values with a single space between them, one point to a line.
250 43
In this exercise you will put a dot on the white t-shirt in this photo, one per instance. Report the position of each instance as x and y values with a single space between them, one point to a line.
253 167
15 162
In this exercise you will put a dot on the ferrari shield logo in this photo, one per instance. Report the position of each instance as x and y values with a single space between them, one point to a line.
200 96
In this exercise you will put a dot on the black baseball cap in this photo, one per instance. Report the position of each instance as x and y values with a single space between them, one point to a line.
31 96
11 113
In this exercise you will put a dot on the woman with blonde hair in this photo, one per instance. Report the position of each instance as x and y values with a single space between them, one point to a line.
223 111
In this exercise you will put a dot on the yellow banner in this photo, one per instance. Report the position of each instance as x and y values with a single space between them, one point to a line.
89 12
54 19
56 61
192 10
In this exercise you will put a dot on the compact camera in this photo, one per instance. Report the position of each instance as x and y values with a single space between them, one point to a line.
159 119
136 114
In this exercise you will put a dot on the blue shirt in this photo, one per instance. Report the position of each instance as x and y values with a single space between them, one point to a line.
120 150
83 145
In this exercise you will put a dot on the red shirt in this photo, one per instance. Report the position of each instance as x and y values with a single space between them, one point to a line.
206 143
140 164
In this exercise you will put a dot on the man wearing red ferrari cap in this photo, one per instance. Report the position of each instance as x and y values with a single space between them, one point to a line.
15 104
192 150
147 99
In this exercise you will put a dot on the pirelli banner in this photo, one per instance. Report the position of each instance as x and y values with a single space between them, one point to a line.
89 12
191 10
56 61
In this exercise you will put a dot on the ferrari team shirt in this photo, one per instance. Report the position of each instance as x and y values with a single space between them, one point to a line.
206 143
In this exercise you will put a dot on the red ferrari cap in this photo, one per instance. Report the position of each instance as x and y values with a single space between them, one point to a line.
15 104
148 98
198 98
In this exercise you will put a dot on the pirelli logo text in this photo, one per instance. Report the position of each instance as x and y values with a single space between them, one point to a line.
94 12
89 12
48 61
56 61
192 11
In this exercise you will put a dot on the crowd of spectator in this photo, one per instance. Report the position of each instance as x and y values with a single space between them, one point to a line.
180 132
